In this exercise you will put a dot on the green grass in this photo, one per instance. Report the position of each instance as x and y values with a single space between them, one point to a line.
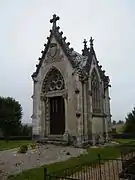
12 144
125 141
38 173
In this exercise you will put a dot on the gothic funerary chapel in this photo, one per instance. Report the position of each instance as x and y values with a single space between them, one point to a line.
71 92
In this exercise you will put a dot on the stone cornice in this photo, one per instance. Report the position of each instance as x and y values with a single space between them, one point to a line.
99 115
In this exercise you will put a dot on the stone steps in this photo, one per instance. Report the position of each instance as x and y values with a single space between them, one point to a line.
53 140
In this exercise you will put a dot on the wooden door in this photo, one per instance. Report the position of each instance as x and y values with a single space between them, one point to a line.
57 115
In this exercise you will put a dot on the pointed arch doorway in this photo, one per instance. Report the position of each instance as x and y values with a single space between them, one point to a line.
53 88
57 115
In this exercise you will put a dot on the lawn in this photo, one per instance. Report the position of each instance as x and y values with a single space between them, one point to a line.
13 144
38 173
126 141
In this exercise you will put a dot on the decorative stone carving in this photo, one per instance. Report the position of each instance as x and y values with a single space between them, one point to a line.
77 91
78 114
65 95
33 116
52 50
43 97
47 109
53 54
35 79
89 93
53 81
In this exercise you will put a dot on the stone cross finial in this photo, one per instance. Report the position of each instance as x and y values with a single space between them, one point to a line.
85 43
85 50
54 20
91 42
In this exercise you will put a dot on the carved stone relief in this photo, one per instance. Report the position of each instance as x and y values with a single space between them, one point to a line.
53 54
77 91
43 97
47 117
65 95
53 81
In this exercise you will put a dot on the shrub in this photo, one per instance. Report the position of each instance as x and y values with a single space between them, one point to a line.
23 149
33 146
123 136
17 138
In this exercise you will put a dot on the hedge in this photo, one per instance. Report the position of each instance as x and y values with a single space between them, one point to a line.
123 136
17 138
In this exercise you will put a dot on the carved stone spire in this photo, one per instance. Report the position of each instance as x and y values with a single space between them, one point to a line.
85 51
54 20
85 43
91 42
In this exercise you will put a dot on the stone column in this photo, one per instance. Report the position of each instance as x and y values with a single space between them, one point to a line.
79 115
47 117
103 133
65 96
107 108
43 113
85 112
91 129
66 134
35 115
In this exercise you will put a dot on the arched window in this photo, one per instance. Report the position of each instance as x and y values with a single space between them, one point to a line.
95 88
53 81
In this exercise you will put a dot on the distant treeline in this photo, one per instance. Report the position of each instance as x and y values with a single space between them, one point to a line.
123 136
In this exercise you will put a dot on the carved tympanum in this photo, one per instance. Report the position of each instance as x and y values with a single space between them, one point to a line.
53 81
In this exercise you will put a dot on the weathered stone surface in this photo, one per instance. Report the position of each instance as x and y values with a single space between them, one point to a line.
82 83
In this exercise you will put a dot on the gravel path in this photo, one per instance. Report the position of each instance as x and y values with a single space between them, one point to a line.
11 162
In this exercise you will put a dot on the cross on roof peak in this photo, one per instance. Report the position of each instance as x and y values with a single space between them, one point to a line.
54 20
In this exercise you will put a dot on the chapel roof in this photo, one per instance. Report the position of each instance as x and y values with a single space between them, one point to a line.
80 62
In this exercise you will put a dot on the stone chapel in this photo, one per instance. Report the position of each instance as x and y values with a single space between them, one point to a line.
71 92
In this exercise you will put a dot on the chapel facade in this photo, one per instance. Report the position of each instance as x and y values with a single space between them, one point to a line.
71 91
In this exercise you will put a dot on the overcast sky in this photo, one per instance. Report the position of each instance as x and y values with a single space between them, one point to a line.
24 26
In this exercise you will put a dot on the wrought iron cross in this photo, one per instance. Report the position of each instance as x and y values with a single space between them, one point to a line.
54 20
91 42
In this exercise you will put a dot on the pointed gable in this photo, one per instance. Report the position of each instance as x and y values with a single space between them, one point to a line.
80 63
90 52
69 52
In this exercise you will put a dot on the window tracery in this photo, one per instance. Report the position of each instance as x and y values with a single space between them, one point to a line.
53 81
95 88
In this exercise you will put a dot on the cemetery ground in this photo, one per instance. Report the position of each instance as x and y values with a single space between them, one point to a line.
65 161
